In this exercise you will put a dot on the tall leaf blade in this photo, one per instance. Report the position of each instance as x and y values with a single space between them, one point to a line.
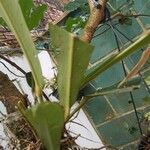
11 13
73 57
48 120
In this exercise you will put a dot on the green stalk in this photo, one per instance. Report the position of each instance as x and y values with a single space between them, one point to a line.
142 41
12 14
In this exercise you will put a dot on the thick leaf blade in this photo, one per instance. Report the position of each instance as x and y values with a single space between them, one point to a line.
48 120
73 57
11 13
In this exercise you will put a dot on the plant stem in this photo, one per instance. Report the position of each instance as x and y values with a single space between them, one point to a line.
142 41
120 90
82 102
99 93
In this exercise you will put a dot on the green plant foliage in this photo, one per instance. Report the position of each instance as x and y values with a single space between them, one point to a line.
73 24
135 82
48 120
32 14
147 75
93 72
75 5
30 80
146 100
147 80
2 22
12 14
147 116
130 85
73 58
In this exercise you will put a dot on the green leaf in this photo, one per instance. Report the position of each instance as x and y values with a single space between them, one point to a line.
48 120
32 14
147 80
30 80
2 22
146 100
12 14
73 24
73 58
147 116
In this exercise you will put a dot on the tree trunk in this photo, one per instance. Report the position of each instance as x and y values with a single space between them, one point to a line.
9 94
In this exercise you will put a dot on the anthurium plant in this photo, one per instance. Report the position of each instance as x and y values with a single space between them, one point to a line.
72 54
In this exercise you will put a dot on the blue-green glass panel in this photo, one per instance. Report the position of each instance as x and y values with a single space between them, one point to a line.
121 127
102 46
110 76
99 110
143 7
106 42
130 147
120 131
122 102
131 31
